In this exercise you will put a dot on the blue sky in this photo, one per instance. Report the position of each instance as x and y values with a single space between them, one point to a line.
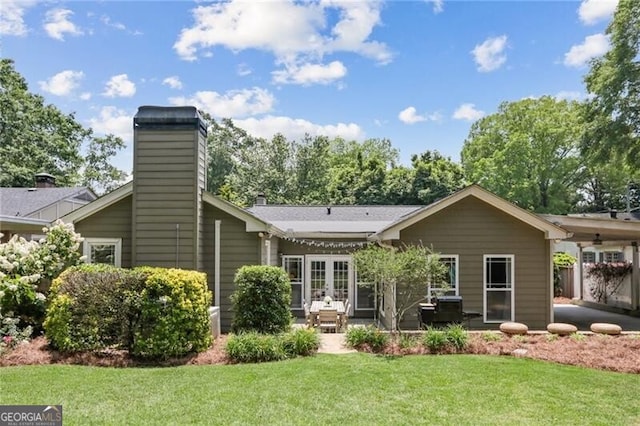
416 72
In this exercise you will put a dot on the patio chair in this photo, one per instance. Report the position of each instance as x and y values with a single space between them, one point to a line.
344 317
308 318
328 320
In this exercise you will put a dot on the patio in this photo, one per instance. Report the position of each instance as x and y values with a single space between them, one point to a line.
582 317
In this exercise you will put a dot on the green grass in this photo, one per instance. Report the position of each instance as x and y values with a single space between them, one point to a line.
334 389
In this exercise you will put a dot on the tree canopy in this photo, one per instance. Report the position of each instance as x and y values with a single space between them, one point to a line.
37 137
613 111
528 153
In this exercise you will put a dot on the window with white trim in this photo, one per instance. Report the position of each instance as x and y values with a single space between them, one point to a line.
294 266
613 256
365 295
498 288
103 250
450 261
588 257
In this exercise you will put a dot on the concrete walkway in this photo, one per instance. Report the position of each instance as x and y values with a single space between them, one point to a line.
333 343
582 317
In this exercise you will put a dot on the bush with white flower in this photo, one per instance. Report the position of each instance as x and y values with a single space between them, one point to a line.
26 266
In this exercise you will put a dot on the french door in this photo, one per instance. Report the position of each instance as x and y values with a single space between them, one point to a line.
328 276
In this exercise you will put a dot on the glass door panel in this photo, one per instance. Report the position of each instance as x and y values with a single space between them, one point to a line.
340 280
318 279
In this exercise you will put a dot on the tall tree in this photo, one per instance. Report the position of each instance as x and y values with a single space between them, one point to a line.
312 170
436 177
99 173
37 137
528 153
613 113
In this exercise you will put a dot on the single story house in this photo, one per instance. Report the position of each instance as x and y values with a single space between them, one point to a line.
26 211
499 255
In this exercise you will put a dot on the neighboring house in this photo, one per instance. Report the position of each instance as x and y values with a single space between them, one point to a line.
499 255
26 211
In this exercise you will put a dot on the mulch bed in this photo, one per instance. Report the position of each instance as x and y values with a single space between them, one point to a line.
612 353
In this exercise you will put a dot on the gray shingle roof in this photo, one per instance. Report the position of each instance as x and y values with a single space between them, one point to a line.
341 219
25 201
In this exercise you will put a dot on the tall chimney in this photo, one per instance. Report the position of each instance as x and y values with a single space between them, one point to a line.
45 180
169 169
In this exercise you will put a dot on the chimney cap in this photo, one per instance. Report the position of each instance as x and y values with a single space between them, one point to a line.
261 199
45 180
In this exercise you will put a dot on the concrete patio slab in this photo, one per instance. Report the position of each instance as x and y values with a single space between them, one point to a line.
582 317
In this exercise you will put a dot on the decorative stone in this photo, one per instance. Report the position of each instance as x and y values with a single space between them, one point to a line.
520 352
561 328
513 328
606 328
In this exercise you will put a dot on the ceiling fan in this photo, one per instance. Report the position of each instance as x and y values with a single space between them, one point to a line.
597 241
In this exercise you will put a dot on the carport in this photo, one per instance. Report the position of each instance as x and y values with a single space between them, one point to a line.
621 229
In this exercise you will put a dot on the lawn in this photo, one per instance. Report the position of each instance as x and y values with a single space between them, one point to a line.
333 389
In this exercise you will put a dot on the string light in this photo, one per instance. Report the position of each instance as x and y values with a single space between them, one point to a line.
328 244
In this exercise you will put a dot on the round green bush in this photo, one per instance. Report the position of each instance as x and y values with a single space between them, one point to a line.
261 301
90 308
173 313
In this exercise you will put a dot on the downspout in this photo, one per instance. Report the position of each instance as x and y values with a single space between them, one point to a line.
580 271
552 287
635 276
216 264
267 247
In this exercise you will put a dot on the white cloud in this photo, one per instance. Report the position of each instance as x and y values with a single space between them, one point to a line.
112 120
438 5
173 82
12 17
232 104
580 54
468 112
490 54
409 115
243 69
295 129
592 11
63 83
302 38
85 96
117 25
310 74
119 86
57 24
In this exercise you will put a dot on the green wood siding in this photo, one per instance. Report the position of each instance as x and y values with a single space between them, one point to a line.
111 222
237 248
167 198
471 228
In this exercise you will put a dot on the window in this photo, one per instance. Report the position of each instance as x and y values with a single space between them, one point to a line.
294 266
613 256
498 288
365 295
103 250
451 278
588 257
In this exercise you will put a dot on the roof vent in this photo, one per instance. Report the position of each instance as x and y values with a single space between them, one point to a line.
45 180
328 210
261 200
613 213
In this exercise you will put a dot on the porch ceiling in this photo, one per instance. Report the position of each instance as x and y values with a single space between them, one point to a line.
584 229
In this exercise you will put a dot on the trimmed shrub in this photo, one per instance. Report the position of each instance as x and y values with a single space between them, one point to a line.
261 301
90 308
258 347
152 312
358 337
173 313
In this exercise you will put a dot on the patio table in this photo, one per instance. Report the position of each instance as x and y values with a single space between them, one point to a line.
319 304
